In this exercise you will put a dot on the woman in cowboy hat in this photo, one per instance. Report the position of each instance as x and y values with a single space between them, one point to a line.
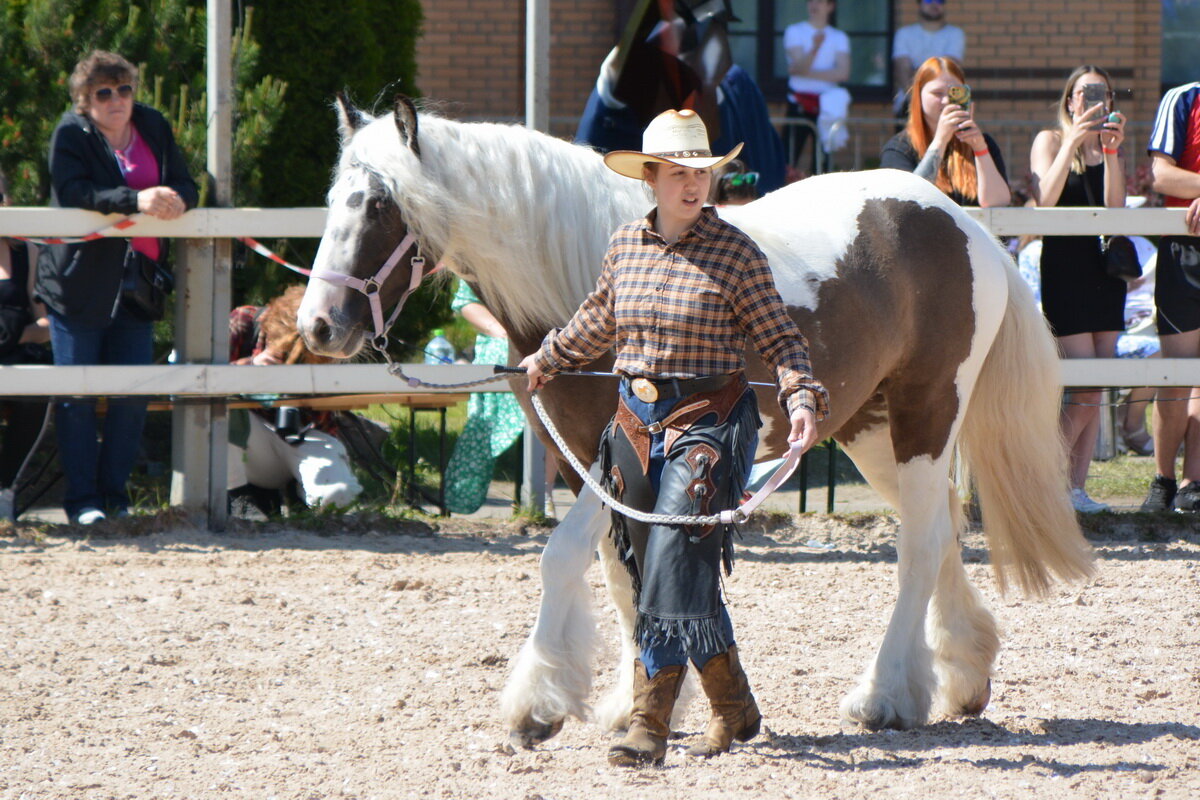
679 293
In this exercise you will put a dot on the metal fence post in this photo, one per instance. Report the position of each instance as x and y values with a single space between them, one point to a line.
533 470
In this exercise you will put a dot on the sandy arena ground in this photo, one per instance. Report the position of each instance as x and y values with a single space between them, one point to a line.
275 663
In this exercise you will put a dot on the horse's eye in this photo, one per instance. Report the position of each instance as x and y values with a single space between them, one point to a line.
355 200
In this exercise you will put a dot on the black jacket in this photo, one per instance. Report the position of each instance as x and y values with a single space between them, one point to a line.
82 281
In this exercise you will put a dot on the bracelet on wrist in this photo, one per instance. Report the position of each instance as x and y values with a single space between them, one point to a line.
982 153
1108 152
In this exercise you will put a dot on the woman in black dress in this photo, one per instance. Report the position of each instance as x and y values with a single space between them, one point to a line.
1079 164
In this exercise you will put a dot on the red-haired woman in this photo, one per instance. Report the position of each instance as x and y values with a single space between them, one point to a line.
944 144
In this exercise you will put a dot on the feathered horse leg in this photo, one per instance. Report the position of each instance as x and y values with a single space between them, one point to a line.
552 675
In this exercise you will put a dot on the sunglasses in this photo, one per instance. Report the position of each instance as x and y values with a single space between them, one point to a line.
106 94
743 179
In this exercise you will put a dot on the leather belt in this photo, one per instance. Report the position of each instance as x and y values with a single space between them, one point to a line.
650 390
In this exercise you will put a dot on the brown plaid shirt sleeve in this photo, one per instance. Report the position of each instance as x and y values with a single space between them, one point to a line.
589 333
685 310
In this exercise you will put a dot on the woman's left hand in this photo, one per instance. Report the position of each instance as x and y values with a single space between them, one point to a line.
162 202
1113 133
265 358
804 429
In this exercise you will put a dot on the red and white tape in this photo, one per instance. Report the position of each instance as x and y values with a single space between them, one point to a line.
103 233
128 222
258 247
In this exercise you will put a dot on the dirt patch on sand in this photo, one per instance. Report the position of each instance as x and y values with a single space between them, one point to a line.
272 662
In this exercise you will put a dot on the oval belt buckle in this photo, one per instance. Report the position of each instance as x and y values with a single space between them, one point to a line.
645 390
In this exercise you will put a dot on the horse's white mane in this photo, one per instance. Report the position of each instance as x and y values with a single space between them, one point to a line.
523 216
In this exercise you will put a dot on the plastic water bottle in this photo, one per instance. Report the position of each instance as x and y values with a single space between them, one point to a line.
439 350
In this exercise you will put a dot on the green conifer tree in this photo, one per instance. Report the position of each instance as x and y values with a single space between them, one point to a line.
42 40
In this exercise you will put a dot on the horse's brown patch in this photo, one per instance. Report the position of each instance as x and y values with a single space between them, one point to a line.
897 322
872 414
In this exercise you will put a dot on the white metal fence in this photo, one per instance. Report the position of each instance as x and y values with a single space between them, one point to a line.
202 332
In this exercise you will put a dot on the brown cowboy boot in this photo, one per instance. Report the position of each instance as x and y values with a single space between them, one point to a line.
734 712
645 741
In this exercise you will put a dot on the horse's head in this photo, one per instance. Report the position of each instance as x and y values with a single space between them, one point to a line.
364 232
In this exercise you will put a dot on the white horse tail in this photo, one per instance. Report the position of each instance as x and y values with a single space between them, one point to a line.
1013 447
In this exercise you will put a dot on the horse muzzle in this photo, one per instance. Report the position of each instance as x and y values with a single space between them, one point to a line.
331 332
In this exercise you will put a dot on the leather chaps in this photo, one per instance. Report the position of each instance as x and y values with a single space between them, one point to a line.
705 446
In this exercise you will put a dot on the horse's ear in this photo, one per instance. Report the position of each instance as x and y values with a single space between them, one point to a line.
350 118
405 114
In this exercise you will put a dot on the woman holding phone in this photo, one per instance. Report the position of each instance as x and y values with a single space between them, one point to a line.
943 143
1079 164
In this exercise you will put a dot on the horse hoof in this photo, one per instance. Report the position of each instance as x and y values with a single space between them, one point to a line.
534 733
980 702
875 715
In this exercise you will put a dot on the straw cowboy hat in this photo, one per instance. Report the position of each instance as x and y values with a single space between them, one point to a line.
673 137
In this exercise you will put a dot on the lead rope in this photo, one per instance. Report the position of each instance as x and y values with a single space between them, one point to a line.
734 515
731 516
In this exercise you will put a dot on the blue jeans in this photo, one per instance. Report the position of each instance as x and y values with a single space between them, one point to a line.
672 653
96 472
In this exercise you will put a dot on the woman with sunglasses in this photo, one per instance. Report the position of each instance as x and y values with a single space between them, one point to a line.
112 155
1078 163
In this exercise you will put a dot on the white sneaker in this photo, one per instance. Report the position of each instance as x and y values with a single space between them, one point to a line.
89 517
1086 505
8 505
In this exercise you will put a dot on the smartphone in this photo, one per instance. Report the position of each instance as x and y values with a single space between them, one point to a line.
961 95
1094 93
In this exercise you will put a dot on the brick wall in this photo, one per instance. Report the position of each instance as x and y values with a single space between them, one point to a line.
471 60
1019 53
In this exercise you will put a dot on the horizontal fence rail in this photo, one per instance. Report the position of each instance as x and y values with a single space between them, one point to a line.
206 223
223 380
205 380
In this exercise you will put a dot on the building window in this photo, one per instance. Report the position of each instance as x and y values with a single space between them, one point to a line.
1180 41
757 43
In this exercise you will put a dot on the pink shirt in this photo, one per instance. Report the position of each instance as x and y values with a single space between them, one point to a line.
140 168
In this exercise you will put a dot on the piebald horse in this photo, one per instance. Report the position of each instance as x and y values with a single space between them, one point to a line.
930 345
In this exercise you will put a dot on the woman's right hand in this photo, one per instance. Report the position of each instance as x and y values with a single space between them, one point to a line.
162 202
1084 124
953 118
533 373
1192 217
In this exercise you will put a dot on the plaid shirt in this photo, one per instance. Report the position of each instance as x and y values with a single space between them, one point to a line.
244 339
684 311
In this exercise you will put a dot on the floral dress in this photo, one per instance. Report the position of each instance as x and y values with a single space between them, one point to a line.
494 421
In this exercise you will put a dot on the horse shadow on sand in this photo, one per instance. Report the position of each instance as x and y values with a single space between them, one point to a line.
930 744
